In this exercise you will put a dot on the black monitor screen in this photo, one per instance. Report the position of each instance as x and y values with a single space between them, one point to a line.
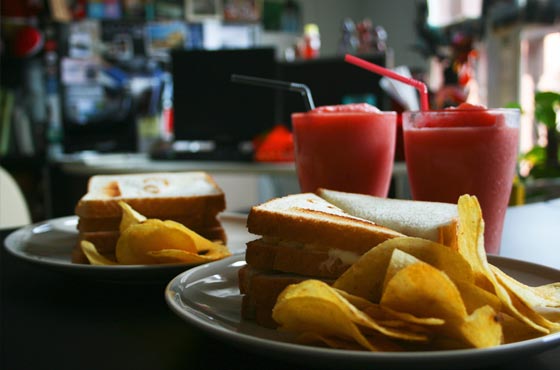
208 106
331 81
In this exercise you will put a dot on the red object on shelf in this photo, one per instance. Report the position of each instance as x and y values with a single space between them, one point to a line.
276 146
28 41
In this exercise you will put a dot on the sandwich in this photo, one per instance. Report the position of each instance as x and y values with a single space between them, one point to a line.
319 236
191 198
302 236
433 221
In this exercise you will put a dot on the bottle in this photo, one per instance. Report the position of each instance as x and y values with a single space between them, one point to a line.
312 41
348 41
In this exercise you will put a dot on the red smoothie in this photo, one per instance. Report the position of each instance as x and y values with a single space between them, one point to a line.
346 148
464 151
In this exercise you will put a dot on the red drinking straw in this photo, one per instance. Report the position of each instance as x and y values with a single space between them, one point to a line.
419 85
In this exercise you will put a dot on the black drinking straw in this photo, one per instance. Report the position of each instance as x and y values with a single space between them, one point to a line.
283 85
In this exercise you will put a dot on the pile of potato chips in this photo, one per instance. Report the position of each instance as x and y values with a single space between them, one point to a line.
151 241
411 294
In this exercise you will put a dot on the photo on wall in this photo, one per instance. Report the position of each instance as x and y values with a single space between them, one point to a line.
198 10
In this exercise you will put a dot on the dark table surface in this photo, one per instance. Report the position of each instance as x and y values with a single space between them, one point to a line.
54 320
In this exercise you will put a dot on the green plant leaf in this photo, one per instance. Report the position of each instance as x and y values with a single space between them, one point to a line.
546 104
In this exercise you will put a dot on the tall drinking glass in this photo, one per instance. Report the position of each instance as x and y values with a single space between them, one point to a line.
346 148
464 151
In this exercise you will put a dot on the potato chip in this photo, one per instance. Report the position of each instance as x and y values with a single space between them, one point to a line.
358 302
515 330
389 313
388 317
482 328
475 297
313 306
411 290
366 276
533 296
398 261
93 255
527 302
550 290
129 217
470 240
138 239
423 283
179 256
471 247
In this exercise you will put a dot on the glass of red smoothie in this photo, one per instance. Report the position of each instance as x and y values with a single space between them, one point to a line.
345 147
465 150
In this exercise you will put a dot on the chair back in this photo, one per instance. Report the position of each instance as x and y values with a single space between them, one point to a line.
14 211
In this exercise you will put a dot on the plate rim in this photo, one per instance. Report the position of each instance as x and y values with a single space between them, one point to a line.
235 337
12 244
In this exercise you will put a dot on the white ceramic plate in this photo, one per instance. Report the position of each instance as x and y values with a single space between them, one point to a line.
208 297
50 244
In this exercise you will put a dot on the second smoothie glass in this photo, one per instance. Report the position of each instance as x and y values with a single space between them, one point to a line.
453 152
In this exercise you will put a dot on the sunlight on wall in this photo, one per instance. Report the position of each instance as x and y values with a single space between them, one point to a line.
540 71
550 79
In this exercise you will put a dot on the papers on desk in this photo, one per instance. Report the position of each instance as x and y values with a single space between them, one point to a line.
531 233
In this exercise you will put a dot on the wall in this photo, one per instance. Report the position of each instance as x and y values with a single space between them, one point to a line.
396 16
328 15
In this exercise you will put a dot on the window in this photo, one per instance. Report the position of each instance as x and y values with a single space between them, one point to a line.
539 71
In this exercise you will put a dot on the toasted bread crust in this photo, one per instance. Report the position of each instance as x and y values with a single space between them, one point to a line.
319 228
205 206
154 195
264 256
261 290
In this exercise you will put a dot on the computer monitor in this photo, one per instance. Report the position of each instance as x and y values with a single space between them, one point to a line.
331 81
209 107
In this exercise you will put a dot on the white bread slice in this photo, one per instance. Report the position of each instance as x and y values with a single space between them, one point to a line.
154 195
429 220
307 220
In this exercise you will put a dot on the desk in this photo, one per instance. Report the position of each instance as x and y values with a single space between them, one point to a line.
94 164
51 320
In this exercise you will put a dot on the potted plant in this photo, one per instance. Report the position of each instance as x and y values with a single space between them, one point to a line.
545 160
543 179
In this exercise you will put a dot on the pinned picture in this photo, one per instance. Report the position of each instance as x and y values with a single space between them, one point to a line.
197 10
163 36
